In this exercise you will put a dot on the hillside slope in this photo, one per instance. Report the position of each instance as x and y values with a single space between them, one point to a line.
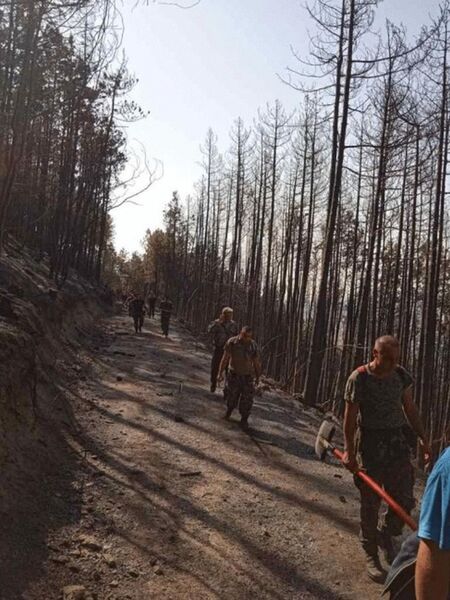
41 332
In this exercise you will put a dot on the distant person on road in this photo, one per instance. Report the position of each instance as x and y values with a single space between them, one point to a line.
137 311
221 330
130 297
151 303
166 308
241 354
378 397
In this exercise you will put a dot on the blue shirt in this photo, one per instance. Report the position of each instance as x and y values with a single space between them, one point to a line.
434 521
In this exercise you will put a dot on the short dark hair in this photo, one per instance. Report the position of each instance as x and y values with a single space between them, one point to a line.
387 340
247 329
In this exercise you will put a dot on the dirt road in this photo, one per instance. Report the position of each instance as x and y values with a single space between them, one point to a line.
176 503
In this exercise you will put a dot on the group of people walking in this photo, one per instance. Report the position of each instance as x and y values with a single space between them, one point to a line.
381 426
236 358
139 306
380 420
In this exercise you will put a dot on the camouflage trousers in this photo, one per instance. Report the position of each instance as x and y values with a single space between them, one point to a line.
385 456
151 308
138 321
239 391
165 324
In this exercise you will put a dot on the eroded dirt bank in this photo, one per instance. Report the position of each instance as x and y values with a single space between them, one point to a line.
165 500
43 335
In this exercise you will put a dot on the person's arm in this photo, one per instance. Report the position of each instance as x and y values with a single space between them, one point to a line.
212 328
224 364
412 414
257 365
432 572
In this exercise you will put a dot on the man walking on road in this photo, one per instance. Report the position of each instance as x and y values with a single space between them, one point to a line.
129 298
221 330
378 397
137 311
151 302
241 353
166 308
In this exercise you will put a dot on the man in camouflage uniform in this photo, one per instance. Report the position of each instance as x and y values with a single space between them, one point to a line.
221 330
378 398
241 354
166 308
151 302
137 311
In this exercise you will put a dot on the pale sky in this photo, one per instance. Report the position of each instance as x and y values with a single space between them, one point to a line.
204 67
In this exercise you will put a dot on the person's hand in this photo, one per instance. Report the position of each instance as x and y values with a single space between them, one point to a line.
349 461
220 378
426 452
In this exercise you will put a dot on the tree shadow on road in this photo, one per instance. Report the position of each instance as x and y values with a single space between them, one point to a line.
37 496
177 508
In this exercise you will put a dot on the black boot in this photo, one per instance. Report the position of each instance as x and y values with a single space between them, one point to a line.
244 424
227 415
374 569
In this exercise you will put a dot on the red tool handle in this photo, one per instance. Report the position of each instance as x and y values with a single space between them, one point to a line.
399 511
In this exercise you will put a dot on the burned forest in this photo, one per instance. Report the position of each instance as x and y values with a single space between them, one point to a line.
224 299
328 226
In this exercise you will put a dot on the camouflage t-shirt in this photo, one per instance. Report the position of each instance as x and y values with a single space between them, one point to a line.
136 307
166 308
380 399
222 331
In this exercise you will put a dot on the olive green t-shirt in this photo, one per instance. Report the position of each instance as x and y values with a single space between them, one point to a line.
380 399
222 331
242 355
